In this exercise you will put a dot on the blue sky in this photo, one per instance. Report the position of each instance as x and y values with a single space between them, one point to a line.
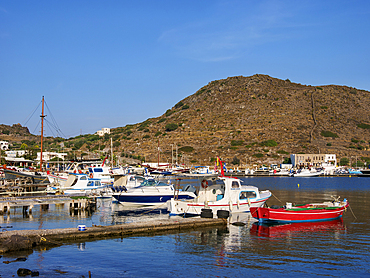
111 63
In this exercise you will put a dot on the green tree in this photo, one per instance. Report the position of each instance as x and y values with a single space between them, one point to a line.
344 161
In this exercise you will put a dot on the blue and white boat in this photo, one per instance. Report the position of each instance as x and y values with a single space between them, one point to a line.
79 184
151 192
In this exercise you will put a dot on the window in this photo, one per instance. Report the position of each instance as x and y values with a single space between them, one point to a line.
235 184
90 183
96 170
247 194
83 178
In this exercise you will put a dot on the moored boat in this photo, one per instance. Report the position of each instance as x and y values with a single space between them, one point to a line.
34 176
301 213
225 194
151 192
78 184
307 173
365 173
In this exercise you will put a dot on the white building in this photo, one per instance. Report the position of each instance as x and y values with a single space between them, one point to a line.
104 130
46 156
13 154
313 160
4 145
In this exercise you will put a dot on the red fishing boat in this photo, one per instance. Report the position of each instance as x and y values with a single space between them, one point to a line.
300 213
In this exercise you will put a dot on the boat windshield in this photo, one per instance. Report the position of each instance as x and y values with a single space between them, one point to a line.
90 183
152 183
247 194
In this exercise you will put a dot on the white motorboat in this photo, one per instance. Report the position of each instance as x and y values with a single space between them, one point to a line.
151 192
78 184
307 173
226 193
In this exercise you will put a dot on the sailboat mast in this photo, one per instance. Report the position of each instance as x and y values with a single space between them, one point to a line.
158 152
42 131
111 151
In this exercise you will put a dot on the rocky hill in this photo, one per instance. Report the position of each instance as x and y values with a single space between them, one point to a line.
246 120
15 130
256 119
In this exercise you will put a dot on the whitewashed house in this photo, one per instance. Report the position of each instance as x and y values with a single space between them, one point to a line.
104 130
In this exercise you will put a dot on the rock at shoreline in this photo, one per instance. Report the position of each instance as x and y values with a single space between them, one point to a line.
16 243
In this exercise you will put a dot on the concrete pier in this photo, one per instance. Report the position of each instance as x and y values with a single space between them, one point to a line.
99 232
27 203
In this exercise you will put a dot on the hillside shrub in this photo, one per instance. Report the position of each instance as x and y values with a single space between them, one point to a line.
171 127
326 133
179 104
364 126
269 143
169 112
282 152
259 155
236 142
235 161
187 149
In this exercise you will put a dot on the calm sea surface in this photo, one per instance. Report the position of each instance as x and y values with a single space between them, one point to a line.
331 249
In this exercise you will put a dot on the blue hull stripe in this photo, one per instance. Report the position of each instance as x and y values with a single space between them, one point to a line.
147 199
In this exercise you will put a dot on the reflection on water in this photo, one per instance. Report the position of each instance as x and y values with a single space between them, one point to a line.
333 248
284 230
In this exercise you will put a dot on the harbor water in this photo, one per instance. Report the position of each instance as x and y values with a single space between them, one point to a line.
337 248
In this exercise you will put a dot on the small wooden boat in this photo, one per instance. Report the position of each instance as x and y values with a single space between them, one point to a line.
301 213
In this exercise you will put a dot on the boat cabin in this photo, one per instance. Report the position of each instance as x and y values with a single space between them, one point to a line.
230 189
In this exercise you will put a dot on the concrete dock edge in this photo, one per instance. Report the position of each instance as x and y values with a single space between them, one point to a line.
97 232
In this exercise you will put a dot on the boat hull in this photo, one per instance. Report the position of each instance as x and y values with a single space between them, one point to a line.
144 200
282 215
179 207
10 174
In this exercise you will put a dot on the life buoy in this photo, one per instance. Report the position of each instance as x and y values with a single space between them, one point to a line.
91 175
204 183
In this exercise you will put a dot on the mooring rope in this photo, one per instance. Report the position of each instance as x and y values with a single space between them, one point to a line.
352 211
276 197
